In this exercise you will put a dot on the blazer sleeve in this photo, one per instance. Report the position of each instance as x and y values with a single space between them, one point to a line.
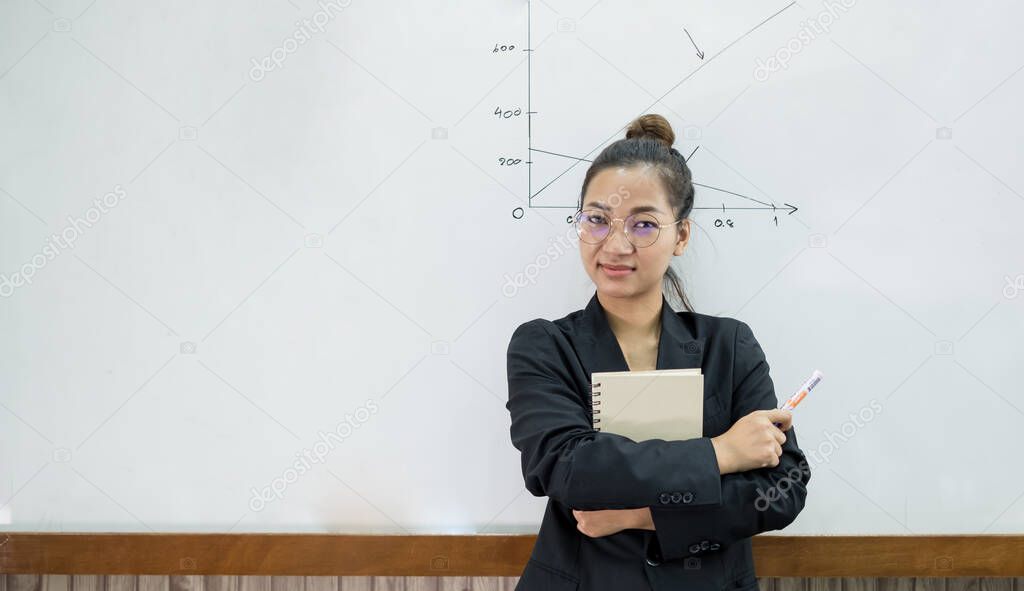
753 501
565 459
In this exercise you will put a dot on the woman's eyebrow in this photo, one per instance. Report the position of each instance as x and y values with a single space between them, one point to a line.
637 209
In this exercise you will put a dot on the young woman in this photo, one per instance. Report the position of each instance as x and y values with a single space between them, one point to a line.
625 515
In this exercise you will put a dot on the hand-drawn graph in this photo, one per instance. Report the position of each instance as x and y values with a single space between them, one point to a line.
550 172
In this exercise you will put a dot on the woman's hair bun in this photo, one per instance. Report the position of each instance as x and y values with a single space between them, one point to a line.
653 126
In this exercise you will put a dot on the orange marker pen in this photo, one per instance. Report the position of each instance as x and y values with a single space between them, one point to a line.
802 392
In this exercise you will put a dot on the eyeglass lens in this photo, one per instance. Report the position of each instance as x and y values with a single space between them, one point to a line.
593 226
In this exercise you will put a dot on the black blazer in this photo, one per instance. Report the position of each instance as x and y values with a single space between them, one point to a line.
703 519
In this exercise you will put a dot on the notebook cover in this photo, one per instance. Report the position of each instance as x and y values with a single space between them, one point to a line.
658 404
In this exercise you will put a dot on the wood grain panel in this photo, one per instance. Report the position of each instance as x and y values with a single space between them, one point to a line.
88 583
996 584
24 583
356 584
154 583
790 584
122 582
862 584
384 562
11 582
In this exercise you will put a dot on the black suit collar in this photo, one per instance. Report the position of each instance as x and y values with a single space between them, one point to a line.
600 350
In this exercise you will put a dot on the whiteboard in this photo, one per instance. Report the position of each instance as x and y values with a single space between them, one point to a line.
240 238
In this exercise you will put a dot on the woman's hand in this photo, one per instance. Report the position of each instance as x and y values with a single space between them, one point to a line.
605 522
753 441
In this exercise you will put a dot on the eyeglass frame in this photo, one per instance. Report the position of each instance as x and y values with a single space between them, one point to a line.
611 226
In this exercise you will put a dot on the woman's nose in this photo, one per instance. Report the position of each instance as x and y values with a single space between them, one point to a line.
617 240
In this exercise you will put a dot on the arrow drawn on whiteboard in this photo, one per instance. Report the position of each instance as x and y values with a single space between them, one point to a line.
700 53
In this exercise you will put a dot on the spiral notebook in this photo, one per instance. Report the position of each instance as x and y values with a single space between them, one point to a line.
657 404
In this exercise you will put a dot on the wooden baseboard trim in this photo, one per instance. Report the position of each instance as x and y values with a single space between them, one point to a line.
475 555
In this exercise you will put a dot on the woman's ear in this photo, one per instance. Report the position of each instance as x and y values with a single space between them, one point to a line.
684 237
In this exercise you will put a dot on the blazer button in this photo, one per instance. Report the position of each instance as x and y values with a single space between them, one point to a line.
676 497
694 548
692 347
652 562
688 497
665 498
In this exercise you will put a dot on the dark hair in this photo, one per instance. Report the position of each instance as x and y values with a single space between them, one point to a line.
648 142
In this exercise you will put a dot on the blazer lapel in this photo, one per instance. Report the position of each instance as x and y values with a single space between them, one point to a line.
598 348
678 348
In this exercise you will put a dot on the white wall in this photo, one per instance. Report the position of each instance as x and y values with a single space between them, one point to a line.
293 250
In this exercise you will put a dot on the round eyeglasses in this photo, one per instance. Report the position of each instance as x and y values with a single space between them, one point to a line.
641 229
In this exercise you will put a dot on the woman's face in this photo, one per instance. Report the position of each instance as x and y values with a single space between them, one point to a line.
616 267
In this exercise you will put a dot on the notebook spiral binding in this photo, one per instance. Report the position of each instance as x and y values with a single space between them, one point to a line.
594 394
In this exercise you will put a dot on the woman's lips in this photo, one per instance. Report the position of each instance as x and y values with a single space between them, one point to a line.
616 270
